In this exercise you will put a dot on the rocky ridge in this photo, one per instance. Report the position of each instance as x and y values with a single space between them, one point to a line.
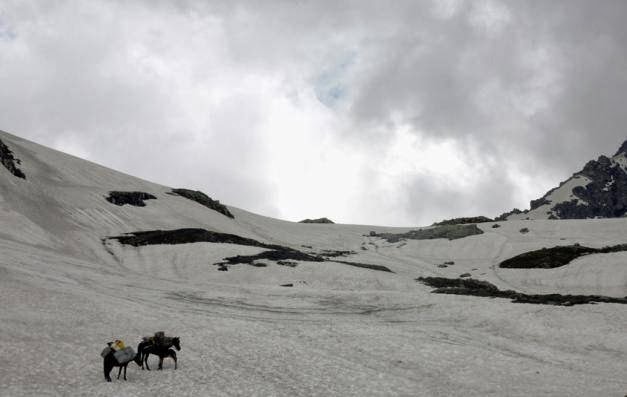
599 190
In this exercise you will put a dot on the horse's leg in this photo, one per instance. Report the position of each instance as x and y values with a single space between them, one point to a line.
125 365
174 357
107 369
146 361
160 362
119 371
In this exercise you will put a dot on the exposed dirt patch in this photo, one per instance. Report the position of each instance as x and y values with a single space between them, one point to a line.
469 286
548 258
131 198
203 199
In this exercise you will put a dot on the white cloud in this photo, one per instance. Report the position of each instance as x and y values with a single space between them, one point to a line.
360 111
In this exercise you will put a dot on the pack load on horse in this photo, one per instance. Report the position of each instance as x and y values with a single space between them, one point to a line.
116 354
158 339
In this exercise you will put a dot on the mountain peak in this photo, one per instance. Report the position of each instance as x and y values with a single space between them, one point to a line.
622 149
599 190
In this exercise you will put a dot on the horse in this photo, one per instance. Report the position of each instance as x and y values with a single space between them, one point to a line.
110 362
145 348
149 341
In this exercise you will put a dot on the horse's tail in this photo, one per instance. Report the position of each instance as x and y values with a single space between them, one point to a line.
140 353
138 359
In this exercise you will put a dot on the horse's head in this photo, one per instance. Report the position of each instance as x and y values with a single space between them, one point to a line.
176 342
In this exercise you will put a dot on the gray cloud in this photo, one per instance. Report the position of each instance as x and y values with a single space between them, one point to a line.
220 95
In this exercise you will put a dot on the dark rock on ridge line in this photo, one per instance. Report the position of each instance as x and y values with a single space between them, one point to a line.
464 220
203 199
9 161
319 220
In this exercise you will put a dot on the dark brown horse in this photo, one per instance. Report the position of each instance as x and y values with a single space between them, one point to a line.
144 349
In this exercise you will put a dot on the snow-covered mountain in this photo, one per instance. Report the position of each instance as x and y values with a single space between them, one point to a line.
599 190
269 307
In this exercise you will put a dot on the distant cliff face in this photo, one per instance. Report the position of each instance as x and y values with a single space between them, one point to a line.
599 190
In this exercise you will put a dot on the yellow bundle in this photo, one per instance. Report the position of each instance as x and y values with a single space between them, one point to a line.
118 345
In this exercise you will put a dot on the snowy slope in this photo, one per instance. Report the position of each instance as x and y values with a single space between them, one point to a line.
340 330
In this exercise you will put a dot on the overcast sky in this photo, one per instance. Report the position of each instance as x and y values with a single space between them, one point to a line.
376 112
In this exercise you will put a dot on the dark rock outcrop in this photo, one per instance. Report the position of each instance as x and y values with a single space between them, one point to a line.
185 236
472 287
131 198
276 254
203 199
335 253
319 220
380 268
451 232
548 258
9 161
287 263
464 220
445 264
